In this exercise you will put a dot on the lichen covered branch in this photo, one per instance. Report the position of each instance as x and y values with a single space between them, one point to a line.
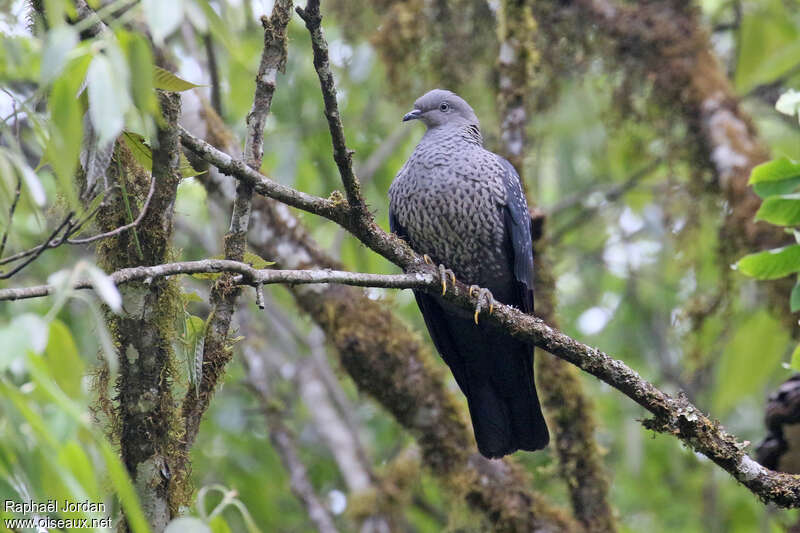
244 274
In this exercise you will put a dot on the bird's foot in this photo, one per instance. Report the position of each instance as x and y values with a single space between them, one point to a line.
485 300
444 274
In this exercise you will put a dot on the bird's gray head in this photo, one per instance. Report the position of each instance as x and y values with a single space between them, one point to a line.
439 107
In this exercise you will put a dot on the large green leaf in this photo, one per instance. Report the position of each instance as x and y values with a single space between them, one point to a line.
779 176
749 359
772 264
769 44
782 210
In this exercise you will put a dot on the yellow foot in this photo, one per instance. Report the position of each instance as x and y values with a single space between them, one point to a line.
485 299
427 259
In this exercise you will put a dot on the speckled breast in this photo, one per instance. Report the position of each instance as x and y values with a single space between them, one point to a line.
450 205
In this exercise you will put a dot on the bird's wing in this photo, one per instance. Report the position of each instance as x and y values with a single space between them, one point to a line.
518 229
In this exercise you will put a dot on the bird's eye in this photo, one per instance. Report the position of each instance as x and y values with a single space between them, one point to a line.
444 106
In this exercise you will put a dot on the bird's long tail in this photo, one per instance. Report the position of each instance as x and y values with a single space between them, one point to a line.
495 373
503 403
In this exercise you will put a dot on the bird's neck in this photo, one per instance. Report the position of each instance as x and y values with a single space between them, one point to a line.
469 133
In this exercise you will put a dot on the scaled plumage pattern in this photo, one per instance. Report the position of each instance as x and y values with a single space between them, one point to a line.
463 206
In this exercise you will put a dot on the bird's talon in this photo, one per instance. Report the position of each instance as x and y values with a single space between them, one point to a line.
444 273
427 259
485 299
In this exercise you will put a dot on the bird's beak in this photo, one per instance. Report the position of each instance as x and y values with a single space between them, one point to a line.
412 115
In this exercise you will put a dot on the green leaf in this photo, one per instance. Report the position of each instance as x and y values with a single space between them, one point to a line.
774 188
140 64
781 210
794 299
108 99
74 458
167 81
188 297
63 359
779 176
141 152
219 525
60 41
144 155
256 261
768 45
124 489
771 264
795 361
105 288
194 340
749 359
34 186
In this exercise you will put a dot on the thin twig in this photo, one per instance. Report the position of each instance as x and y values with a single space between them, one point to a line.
17 191
261 184
120 229
51 242
341 154
213 71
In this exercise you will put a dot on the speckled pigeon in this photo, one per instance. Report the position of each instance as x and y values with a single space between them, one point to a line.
463 207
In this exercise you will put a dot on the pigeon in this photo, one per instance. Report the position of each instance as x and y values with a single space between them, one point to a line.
462 206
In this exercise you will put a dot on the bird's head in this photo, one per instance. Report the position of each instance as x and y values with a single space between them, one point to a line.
440 107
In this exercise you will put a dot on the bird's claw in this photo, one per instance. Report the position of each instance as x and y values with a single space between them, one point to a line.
485 299
445 273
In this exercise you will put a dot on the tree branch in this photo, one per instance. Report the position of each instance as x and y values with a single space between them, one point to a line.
334 208
341 154
247 275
